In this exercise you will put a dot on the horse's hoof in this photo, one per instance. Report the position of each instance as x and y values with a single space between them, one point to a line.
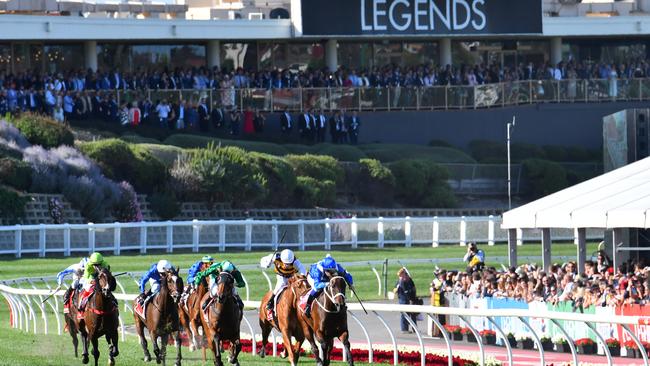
147 358
84 359
158 360
261 352
177 363
192 348
111 362
284 354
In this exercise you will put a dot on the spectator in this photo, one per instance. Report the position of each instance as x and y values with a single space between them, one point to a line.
259 121
475 258
235 119
249 116
163 111
406 294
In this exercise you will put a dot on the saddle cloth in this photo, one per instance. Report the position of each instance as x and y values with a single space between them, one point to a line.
303 301
141 308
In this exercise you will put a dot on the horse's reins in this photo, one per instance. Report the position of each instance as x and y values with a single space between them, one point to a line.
332 297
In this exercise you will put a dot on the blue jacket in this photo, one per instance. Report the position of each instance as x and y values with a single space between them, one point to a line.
196 267
317 273
151 275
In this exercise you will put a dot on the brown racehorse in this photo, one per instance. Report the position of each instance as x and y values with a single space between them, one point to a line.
223 320
70 316
286 320
329 320
100 318
190 315
161 318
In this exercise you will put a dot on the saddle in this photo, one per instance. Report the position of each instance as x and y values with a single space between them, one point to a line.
302 303
141 306
273 315
206 310
67 303
83 300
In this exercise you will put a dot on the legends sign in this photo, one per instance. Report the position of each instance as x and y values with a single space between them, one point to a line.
420 17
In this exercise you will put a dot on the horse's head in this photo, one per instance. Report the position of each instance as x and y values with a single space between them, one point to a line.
299 282
105 280
225 284
174 283
336 289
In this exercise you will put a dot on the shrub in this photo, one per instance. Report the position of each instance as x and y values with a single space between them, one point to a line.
485 151
310 192
319 167
556 153
124 162
544 177
422 183
164 204
44 131
137 139
376 183
165 153
279 177
126 207
440 143
341 152
395 152
612 342
196 141
15 173
12 206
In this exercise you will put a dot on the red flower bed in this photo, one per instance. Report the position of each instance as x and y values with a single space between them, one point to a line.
631 344
612 342
585 342
465 331
487 333
454 329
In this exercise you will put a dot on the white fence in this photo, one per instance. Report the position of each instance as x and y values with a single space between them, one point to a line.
259 234
28 308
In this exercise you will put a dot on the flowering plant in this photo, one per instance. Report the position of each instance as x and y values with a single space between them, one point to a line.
630 344
487 333
612 342
585 342
465 331
453 329
560 339
510 335
545 338
523 337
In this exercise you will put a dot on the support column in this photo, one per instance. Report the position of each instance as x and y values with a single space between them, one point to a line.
213 51
444 46
556 50
546 249
619 237
90 55
582 249
512 247
331 55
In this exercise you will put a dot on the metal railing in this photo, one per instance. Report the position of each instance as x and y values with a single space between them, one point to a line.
28 305
409 98
249 235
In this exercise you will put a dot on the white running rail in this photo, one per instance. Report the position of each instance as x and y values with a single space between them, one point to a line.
220 235
26 306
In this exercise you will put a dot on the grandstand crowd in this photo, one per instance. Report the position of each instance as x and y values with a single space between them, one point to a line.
596 284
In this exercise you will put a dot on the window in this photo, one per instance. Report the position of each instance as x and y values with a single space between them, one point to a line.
63 58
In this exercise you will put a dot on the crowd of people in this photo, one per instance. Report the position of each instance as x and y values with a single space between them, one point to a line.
598 283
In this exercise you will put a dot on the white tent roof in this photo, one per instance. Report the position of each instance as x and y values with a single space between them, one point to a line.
618 199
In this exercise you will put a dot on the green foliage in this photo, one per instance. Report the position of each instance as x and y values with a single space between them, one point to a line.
422 183
164 204
488 151
165 153
319 167
440 143
196 141
137 139
393 152
279 177
311 192
544 177
340 152
376 183
125 162
12 206
15 173
44 131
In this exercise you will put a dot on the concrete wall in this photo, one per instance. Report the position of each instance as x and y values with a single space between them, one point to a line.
577 124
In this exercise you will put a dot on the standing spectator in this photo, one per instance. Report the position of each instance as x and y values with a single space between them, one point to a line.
68 106
191 115
406 294
249 127
163 110
334 127
343 128
259 121
285 121
217 116
475 258
57 114
353 127
204 116
235 119
123 115
180 115
612 79
134 114
321 126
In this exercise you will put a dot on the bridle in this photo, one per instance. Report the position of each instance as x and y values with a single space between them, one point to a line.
221 298
329 294
175 294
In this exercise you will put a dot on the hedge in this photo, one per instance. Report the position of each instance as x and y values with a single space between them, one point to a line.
422 183
121 161
486 151
394 152
280 180
12 206
311 192
196 141
15 173
44 131
319 167
376 183
544 177
340 152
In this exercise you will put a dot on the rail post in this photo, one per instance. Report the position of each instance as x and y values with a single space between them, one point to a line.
380 232
143 238
520 237
196 230
169 237
91 237
301 235
66 240
435 233
328 234
407 232
41 241
222 235
117 239
491 230
354 232
249 235
274 235
384 272
463 231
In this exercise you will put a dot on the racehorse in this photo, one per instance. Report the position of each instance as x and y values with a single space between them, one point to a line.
190 314
70 316
100 318
222 320
286 319
329 320
161 318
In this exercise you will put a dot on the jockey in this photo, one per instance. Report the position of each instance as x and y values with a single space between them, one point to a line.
88 278
77 271
318 280
212 273
197 267
153 277
285 265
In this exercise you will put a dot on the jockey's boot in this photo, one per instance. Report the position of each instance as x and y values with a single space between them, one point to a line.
270 304
310 300
66 297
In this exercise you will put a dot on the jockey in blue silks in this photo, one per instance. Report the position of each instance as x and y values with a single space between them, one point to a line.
318 278
76 270
153 278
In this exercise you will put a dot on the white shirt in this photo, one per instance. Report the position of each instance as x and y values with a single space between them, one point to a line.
162 110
